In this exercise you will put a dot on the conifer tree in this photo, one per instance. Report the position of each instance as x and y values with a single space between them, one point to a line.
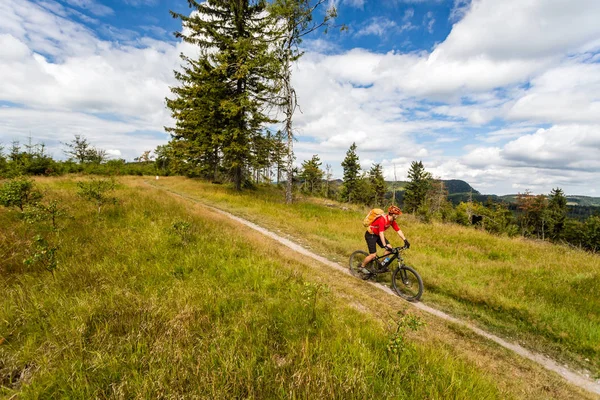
557 210
312 175
199 118
416 190
351 168
378 186
220 105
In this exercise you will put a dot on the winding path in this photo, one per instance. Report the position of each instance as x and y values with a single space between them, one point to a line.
574 377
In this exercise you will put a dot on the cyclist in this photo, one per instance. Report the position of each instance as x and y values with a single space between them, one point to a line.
374 235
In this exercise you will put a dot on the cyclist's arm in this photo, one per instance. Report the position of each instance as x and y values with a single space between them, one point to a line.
382 237
399 232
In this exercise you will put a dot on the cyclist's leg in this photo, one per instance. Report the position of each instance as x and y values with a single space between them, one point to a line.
371 240
382 245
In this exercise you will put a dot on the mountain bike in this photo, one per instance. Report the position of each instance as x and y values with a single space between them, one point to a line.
407 282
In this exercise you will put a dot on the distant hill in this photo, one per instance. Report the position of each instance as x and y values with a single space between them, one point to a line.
583 201
452 185
455 186
461 191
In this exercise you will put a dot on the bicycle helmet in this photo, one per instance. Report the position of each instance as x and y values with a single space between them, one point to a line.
394 210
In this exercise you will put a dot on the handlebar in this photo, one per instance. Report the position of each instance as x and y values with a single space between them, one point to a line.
398 249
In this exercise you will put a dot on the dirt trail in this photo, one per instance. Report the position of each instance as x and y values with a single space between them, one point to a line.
574 377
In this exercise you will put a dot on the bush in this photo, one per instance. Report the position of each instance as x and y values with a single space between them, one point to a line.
19 192
98 191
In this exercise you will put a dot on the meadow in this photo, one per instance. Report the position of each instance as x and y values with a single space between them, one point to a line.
158 297
542 295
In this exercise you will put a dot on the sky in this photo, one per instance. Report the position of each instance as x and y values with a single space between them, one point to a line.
502 94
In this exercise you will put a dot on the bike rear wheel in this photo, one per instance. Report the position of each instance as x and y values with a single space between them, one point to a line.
407 283
356 260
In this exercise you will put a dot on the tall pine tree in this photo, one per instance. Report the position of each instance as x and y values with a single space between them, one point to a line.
351 168
220 105
417 188
557 210
378 186
312 175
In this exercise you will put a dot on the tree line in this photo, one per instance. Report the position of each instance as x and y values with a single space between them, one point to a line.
543 217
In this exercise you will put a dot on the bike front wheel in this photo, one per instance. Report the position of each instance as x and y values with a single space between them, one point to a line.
356 260
407 283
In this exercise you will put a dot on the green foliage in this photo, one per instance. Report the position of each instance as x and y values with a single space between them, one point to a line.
416 190
351 168
19 192
83 152
51 211
363 190
398 341
557 213
32 160
533 217
436 204
311 175
378 185
592 233
310 296
44 255
219 107
183 230
493 217
98 191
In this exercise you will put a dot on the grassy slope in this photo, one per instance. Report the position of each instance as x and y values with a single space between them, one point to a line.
136 310
545 296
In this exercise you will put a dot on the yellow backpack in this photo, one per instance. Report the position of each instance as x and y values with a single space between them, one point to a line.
372 216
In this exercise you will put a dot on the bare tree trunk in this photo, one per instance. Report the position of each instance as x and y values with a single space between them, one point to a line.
289 112
394 190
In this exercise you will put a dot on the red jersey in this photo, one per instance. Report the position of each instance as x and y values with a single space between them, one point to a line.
381 224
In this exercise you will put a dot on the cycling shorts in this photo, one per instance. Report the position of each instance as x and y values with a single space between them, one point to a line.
372 241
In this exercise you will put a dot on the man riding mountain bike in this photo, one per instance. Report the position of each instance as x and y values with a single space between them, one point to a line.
374 235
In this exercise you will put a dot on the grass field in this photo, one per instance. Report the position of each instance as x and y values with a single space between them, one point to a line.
159 298
542 295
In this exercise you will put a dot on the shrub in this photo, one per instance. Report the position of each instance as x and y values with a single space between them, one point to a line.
98 191
19 192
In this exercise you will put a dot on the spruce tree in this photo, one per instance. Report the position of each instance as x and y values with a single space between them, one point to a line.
199 118
312 175
557 212
351 168
221 109
378 186
417 188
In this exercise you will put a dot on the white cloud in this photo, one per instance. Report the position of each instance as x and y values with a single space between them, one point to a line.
56 127
379 26
500 63
561 146
92 6
141 3
567 93
459 9
354 3
429 21
517 29
115 153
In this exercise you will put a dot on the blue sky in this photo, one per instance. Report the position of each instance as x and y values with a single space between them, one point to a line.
503 94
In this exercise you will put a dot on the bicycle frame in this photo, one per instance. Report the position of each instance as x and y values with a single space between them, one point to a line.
393 256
